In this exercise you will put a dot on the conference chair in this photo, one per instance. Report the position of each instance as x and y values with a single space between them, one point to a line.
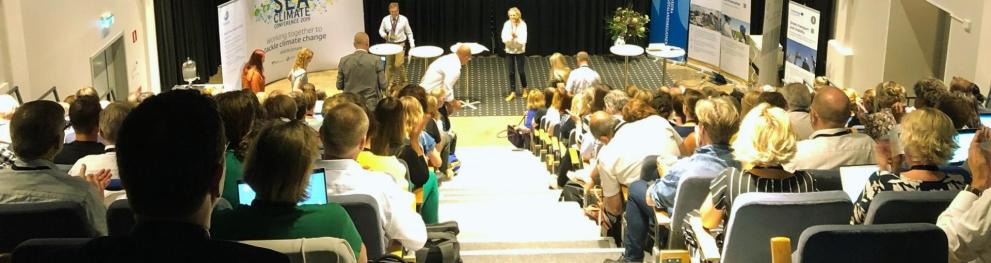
120 218
757 217
39 250
690 195
322 249
20 222
363 210
827 180
912 242
890 207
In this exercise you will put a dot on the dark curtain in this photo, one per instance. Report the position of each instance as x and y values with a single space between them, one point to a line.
187 28
565 26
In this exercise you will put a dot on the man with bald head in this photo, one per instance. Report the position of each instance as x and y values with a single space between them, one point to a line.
361 73
832 145
444 73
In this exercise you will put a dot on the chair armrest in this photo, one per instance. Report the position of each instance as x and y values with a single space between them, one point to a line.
662 218
709 251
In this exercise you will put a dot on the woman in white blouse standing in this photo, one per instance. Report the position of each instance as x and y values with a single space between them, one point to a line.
514 36
297 76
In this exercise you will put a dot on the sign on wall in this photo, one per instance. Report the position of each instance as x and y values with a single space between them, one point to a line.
705 19
801 47
719 35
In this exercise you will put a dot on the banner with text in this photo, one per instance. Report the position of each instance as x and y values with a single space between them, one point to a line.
704 19
734 49
669 23
233 45
282 27
801 47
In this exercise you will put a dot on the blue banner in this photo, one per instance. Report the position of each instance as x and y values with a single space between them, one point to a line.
669 22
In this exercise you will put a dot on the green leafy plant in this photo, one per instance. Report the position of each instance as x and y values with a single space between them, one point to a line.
628 24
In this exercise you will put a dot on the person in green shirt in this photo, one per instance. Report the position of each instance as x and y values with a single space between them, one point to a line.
239 110
278 167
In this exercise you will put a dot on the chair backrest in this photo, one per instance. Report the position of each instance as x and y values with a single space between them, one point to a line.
691 193
363 210
322 249
648 171
757 217
39 250
827 180
912 242
20 222
120 218
890 207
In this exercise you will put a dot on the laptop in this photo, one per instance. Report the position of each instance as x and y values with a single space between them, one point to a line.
854 179
317 190
963 139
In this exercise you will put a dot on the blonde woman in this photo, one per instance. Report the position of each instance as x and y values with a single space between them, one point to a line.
419 156
514 36
926 136
297 76
559 72
765 142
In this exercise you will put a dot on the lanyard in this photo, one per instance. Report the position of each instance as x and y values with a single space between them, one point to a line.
844 132
395 21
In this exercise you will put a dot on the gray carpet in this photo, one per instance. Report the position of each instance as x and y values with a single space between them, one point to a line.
490 82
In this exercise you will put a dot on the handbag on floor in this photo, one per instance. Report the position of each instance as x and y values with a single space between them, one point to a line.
442 244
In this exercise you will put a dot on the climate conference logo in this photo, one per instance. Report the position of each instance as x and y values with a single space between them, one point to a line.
280 13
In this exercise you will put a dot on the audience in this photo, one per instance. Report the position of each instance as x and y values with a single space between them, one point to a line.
928 92
927 138
582 77
344 136
419 156
535 108
110 120
718 120
36 131
966 222
962 85
559 73
278 168
832 145
7 107
687 128
615 100
84 116
386 142
280 107
305 111
749 101
799 99
240 111
773 98
961 109
361 73
171 160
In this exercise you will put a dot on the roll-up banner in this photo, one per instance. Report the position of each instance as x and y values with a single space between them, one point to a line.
801 47
669 23
704 39
281 28
719 35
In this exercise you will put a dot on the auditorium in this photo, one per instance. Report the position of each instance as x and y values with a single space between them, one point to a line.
490 131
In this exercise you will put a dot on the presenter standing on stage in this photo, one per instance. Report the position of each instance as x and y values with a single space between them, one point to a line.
442 75
395 29
514 36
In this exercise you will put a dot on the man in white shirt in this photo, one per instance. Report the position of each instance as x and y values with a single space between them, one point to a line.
395 29
798 98
443 74
831 145
36 130
344 136
967 222
111 119
582 77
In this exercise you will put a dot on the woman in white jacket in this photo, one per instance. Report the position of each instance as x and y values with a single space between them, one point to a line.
514 37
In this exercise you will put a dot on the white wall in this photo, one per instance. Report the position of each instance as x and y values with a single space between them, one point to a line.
862 27
913 40
51 42
4 60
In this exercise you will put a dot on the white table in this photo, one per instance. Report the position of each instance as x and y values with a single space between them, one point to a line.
665 52
626 51
386 49
426 53
476 49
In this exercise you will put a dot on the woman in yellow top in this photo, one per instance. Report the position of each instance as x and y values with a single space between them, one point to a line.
386 141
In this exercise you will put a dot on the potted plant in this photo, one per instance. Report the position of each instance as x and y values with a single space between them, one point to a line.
627 25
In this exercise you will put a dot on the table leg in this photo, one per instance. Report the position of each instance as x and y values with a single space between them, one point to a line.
626 72
664 73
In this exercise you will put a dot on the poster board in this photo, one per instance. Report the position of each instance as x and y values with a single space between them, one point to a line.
802 44
719 35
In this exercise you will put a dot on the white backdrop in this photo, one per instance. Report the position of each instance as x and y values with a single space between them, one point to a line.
282 27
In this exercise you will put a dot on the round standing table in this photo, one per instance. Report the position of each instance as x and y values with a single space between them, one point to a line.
626 51
385 49
426 53
665 52
476 49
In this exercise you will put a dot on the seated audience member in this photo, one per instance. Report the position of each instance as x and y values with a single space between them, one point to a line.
340 98
110 121
420 155
84 115
749 101
280 107
832 145
884 110
774 98
87 92
962 85
798 98
928 92
239 110
718 120
361 73
554 110
687 128
927 137
534 108
305 111
278 168
7 107
615 100
344 136
171 160
386 141
765 142
961 109
36 130
663 105
967 222
620 160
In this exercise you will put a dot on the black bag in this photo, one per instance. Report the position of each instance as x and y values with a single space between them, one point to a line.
442 244
573 192
515 137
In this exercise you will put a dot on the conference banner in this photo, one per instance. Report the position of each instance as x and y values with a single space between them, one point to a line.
670 23
705 19
233 43
734 48
801 47
283 27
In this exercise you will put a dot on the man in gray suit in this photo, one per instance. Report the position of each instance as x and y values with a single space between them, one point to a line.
361 72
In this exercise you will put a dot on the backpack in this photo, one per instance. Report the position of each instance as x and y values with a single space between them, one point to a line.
442 244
